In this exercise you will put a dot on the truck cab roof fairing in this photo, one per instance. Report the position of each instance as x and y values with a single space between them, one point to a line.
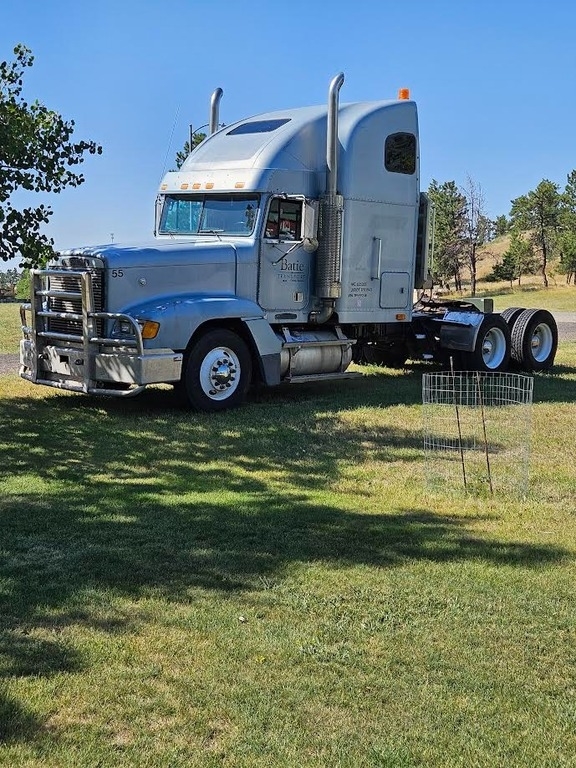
296 139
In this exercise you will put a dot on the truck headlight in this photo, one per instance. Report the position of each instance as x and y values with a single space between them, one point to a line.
148 328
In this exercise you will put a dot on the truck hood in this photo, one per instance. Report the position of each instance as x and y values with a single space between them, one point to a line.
169 253
159 271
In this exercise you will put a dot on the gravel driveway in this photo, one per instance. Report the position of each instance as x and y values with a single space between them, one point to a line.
566 325
566 332
8 364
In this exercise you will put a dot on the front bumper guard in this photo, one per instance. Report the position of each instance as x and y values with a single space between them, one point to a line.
88 363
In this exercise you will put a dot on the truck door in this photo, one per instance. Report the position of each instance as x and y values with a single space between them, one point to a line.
285 266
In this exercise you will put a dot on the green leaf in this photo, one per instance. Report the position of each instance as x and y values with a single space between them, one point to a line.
37 154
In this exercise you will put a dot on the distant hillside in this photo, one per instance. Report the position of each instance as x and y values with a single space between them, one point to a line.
491 253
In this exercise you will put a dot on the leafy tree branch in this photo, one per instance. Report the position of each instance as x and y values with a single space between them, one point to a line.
37 154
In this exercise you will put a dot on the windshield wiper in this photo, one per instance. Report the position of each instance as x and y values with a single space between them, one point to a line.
211 232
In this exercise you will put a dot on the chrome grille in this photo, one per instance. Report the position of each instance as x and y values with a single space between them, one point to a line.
73 283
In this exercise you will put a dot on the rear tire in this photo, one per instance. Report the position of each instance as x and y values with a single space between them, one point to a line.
535 340
510 315
492 349
218 371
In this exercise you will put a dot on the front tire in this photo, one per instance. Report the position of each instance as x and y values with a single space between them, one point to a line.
492 349
534 340
218 371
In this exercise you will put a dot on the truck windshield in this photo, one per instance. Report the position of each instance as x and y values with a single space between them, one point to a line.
230 214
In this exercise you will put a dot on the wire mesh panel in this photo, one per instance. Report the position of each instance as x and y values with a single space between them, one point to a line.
477 431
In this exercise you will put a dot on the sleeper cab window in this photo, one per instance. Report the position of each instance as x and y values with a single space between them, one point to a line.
400 153
284 221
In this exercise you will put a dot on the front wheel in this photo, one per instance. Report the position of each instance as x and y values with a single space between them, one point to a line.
492 349
534 340
218 371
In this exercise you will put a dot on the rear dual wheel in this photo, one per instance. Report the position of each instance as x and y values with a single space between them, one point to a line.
534 340
492 348
510 315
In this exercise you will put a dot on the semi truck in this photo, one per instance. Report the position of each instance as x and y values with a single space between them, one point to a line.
287 246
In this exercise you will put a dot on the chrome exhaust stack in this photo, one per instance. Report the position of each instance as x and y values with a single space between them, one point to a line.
215 110
329 254
332 135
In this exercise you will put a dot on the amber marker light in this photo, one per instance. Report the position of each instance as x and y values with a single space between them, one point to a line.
196 185
184 186
404 93
209 185
150 329
239 185
400 316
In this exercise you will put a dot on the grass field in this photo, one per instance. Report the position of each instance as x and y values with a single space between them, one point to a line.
276 586
10 328
560 297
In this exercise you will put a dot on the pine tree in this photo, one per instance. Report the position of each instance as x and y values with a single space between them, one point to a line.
197 138
539 214
449 231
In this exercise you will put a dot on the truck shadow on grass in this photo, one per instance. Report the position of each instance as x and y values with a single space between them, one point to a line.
385 387
556 386
135 496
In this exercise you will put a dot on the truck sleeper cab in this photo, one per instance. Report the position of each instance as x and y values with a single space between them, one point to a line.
286 246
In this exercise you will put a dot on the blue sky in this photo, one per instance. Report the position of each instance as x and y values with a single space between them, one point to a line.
495 84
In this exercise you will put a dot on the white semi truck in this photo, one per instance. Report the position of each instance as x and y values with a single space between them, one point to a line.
287 246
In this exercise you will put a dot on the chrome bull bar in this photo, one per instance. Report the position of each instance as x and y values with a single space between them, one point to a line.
80 355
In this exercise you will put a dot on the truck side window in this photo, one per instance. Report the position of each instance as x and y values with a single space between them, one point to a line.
284 220
400 153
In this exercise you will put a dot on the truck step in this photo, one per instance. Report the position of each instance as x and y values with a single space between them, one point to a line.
323 377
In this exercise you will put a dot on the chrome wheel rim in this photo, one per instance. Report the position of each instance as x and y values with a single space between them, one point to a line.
542 342
494 348
220 373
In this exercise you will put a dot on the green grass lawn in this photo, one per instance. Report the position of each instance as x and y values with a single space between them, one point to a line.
10 328
276 586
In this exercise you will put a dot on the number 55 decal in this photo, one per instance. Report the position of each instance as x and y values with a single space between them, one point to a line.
117 273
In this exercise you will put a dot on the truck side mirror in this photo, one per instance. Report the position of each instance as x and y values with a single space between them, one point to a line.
310 226
158 213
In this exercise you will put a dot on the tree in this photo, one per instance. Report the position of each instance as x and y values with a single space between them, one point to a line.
23 286
36 155
449 231
567 236
539 213
501 226
567 244
197 138
8 281
477 228
517 261
505 269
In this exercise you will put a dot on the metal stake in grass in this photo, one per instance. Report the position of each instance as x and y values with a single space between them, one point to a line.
460 445
481 401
